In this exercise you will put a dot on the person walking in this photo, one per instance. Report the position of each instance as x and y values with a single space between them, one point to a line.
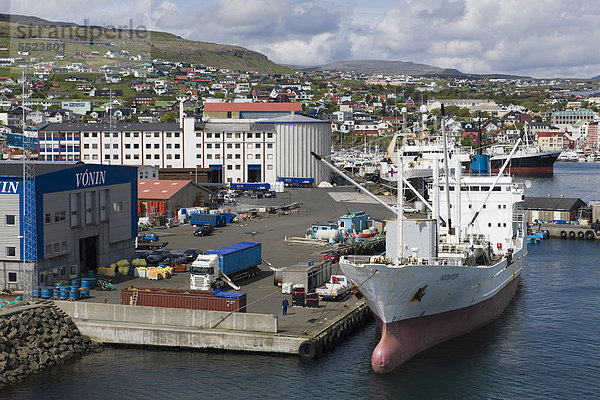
284 305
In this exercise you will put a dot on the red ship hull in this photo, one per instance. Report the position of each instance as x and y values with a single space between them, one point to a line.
401 340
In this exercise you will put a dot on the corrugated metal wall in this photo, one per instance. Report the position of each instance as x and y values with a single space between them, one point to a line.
295 141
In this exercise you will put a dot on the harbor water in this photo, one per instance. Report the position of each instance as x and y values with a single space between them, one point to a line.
544 346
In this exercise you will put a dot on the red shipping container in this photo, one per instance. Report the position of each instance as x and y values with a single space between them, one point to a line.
185 298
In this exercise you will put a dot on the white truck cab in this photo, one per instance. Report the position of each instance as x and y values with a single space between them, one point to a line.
205 272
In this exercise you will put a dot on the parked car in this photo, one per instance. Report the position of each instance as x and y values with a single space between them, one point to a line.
204 230
270 194
191 254
333 255
157 256
142 254
147 238
236 193
256 195
175 259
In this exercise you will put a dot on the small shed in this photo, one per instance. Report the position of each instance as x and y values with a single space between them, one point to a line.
355 222
552 208
310 275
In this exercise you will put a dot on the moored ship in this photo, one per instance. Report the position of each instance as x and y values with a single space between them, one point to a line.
448 275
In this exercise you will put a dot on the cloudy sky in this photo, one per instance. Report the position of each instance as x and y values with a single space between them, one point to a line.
541 38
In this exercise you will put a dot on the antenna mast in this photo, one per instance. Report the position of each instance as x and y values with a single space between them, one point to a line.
29 247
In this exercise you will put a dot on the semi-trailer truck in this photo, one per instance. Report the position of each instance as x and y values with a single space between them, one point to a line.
225 266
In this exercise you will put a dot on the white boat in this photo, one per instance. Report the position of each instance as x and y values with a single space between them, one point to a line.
445 276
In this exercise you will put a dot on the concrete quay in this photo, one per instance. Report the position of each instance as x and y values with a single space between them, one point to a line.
569 232
304 331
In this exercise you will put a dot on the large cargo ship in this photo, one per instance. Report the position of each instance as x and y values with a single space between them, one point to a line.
526 162
448 275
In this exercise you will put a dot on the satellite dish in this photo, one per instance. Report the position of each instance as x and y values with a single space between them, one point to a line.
527 184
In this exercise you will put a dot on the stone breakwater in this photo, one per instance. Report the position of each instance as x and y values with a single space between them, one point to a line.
35 337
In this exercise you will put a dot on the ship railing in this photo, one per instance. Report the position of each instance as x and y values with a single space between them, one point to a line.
450 261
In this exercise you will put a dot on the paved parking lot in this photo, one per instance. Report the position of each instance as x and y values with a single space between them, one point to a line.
263 297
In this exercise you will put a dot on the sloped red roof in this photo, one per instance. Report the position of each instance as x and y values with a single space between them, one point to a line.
149 189
252 107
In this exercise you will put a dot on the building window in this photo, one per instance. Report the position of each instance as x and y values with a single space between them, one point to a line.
107 145
168 156
237 135
11 251
107 156
257 156
155 134
64 246
176 134
56 247
229 156
270 167
230 167
229 135
177 156
176 145
168 145
217 135
217 145
249 156
118 206
148 157
12 277
237 167
257 135
249 135
157 157
209 156
198 145
269 145
10 220
269 135
208 135
156 146
136 156
237 156
168 134
60 216
198 155
228 114
229 145
95 146
250 146
48 249
237 145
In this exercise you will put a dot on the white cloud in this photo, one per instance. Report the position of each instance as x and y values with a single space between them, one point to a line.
534 37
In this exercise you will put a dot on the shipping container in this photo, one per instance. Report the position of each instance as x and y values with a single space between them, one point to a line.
250 186
216 220
185 298
296 181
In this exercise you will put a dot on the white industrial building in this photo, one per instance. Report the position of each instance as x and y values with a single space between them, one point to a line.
236 150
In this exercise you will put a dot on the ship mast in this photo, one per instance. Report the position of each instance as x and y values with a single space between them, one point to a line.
446 170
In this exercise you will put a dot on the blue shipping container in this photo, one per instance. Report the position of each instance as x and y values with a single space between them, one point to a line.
303 181
250 186
238 257
216 220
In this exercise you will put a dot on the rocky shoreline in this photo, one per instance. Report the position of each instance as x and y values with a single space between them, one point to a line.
34 337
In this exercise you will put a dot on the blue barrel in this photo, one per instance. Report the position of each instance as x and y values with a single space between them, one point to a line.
90 273
36 291
74 294
46 292
65 289
76 283
56 292
84 293
58 285
88 283
64 294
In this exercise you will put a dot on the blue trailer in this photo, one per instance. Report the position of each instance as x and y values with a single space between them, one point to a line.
216 220
290 181
238 257
250 186
227 264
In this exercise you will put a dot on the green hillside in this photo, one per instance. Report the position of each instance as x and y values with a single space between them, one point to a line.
21 36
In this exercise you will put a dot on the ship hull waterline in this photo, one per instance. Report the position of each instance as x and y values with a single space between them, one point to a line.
401 340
